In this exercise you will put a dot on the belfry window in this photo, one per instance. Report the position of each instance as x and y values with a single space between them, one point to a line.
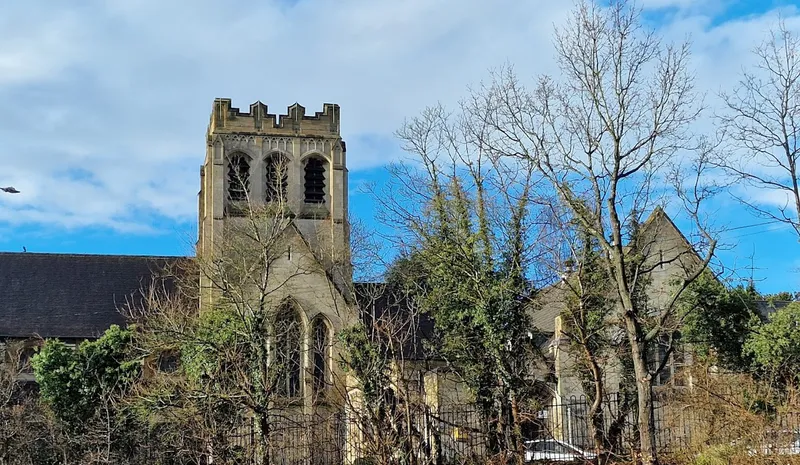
315 181
288 355
238 177
276 175
320 343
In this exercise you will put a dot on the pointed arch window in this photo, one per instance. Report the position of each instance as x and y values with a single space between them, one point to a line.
315 180
320 333
276 176
288 352
238 177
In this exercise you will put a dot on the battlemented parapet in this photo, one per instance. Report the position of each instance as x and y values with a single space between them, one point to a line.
228 119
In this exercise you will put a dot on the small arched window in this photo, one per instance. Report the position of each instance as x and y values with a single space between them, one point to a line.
321 347
288 352
238 177
276 176
315 180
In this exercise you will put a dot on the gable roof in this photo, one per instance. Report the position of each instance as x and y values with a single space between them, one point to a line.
550 302
70 295
658 219
336 279
660 225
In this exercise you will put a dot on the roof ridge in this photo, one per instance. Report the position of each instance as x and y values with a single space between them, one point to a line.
62 254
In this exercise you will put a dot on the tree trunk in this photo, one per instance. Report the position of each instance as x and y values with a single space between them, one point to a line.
519 446
597 423
500 430
644 391
264 432
614 438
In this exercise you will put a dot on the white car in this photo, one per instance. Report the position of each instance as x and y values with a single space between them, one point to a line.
779 443
553 450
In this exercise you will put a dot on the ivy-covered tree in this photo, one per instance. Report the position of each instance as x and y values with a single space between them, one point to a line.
84 387
775 346
466 230
76 382
719 320
386 439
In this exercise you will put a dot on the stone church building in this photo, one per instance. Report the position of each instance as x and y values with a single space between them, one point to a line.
294 167
256 160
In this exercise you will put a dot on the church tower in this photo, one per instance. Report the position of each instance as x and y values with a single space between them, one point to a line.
256 157
292 166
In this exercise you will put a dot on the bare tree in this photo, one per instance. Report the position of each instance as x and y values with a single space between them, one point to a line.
386 357
587 337
761 123
466 228
604 136
242 354
28 434
11 424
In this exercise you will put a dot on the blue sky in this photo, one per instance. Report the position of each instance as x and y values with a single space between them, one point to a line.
106 102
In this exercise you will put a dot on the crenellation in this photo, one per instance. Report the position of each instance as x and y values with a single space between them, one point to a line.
229 119
299 137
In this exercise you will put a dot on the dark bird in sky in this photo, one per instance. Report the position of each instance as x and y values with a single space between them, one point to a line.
9 190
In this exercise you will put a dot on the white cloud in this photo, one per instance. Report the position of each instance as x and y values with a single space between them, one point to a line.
34 47
106 104
680 4
773 199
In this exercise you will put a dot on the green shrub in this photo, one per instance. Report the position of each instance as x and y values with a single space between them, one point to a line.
719 454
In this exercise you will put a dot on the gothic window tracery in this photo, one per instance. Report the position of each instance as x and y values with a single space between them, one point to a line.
320 333
315 180
288 351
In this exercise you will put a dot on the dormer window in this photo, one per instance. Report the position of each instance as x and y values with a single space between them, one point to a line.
238 177
315 180
276 175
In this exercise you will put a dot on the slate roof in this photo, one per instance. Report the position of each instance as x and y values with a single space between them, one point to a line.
387 315
69 295
767 307
75 296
